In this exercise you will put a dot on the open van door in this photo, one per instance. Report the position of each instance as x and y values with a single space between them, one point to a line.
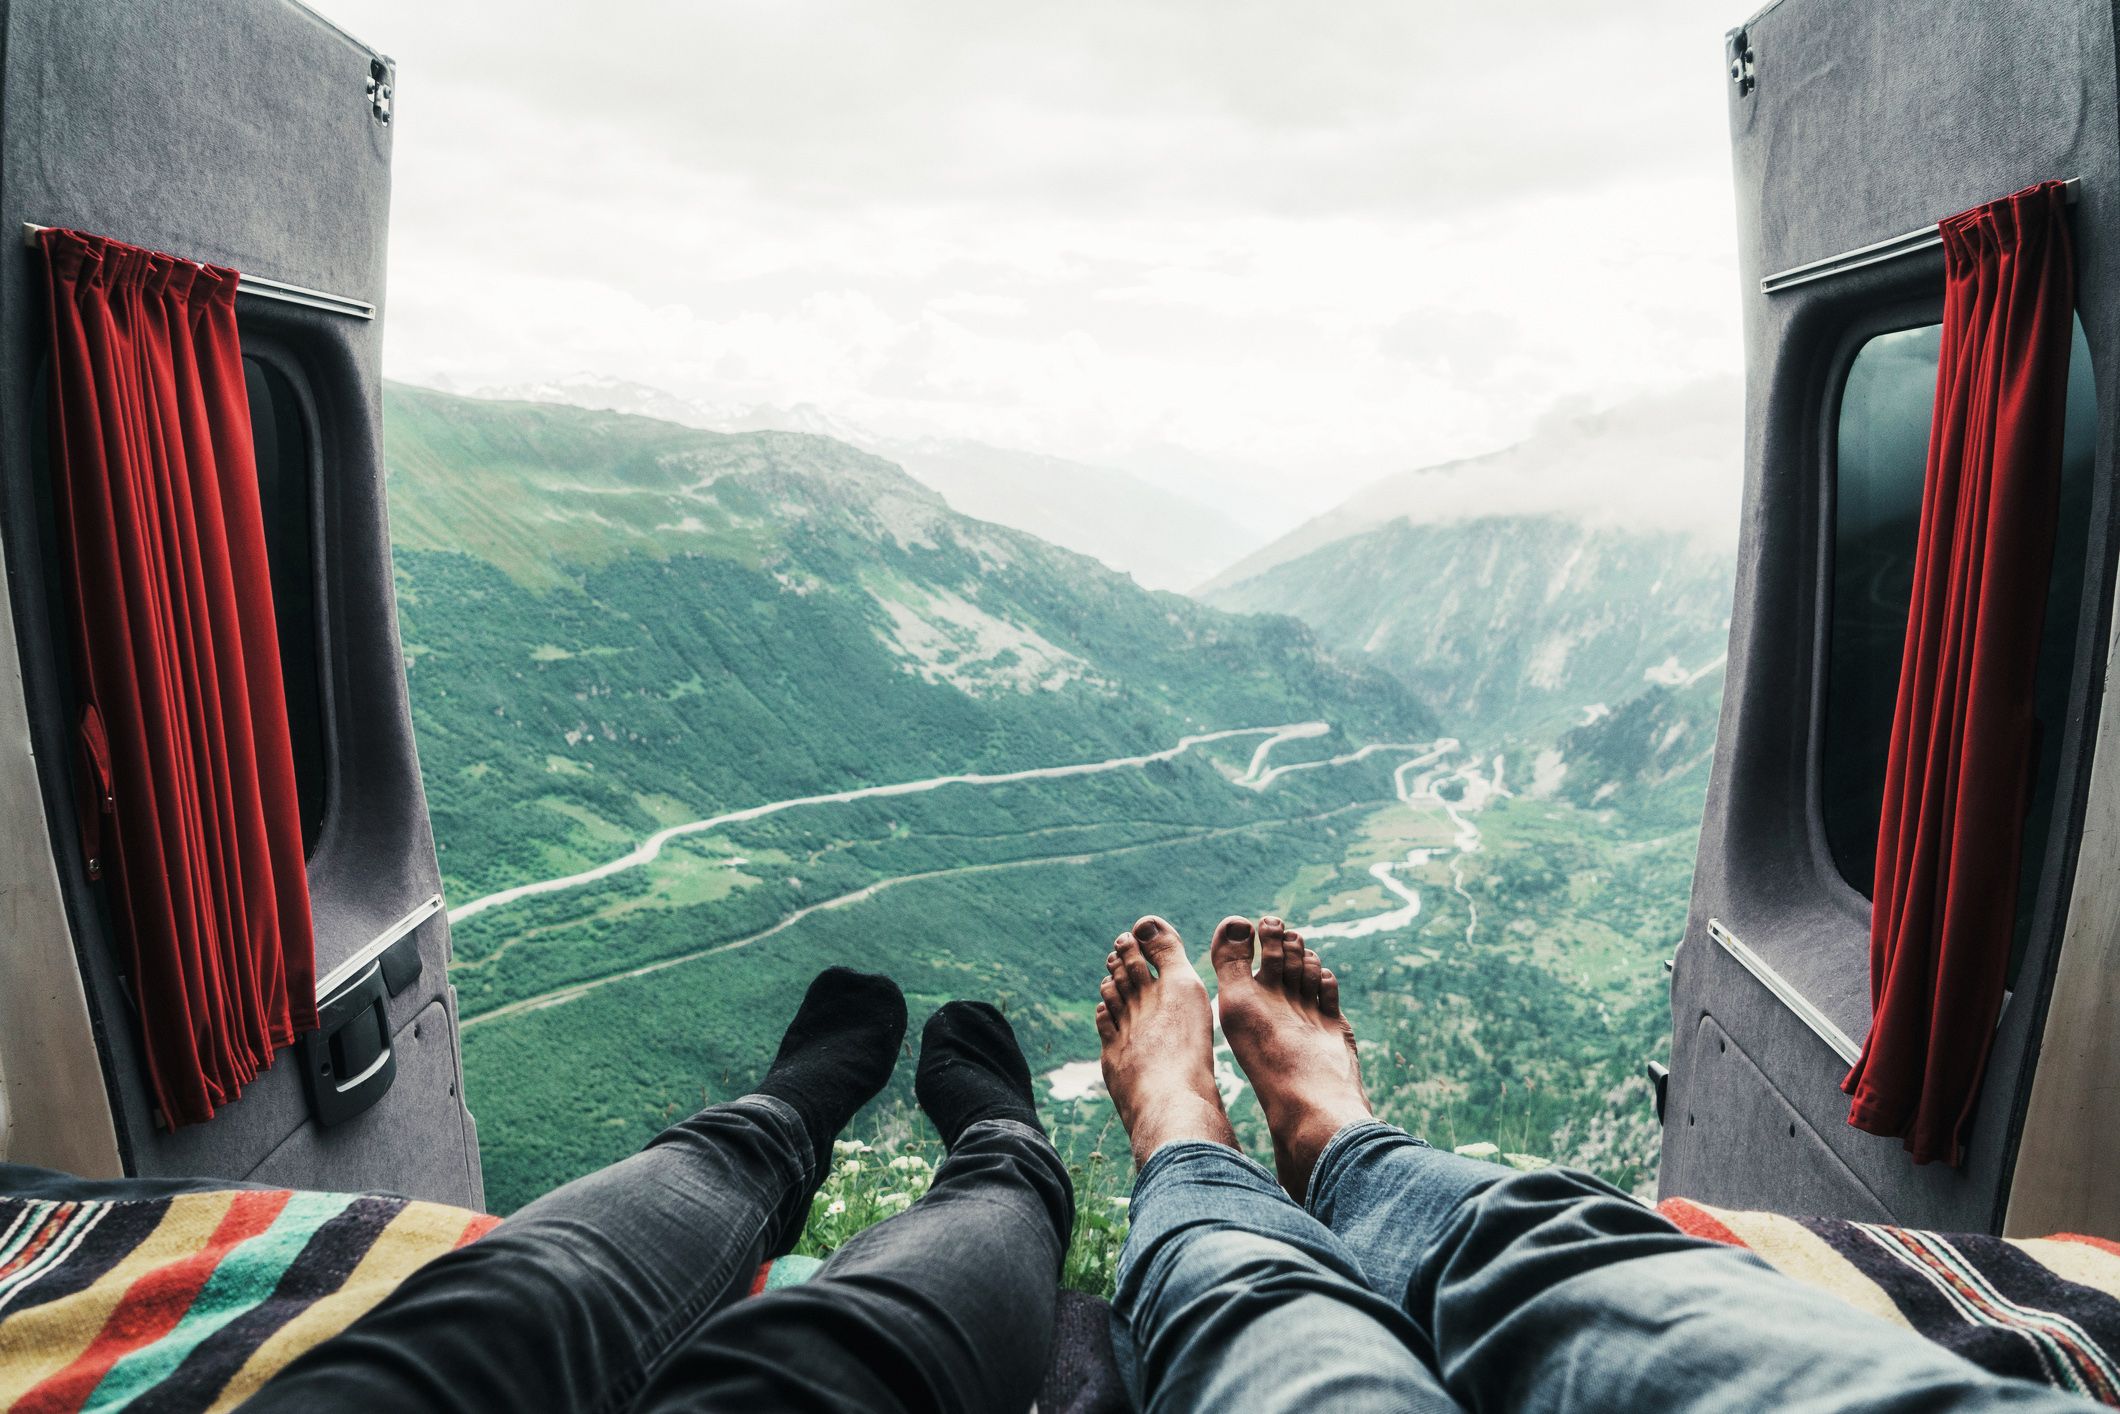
255 135
1856 126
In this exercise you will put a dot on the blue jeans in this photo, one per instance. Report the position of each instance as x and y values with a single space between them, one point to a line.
1412 1279
623 1291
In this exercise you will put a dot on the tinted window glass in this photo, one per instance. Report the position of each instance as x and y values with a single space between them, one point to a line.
282 442
1881 452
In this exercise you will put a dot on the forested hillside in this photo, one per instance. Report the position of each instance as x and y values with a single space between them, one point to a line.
609 619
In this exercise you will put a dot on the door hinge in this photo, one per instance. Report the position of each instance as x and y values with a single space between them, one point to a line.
380 77
1741 62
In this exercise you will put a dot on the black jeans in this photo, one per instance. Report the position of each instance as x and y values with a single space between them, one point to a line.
626 1290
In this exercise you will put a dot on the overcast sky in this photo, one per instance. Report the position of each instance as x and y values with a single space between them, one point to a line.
1281 248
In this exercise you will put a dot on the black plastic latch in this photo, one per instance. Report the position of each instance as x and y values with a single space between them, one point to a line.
1659 1081
401 963
347 1062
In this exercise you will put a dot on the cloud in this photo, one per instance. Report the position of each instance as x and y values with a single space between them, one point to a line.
1280 249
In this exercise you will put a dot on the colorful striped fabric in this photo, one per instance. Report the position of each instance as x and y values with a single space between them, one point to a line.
192 1302
2045 1308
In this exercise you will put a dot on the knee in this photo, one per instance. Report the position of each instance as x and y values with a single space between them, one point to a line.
1012 1157
1213 1264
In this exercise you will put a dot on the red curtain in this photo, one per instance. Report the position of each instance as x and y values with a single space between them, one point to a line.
1960 765
189 787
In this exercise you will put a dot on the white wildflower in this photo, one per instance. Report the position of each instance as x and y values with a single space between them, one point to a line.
838 1206
908 1161
850 1167
1121 1203
844 1147
894 1201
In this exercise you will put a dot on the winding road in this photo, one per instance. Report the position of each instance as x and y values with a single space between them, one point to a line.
1257 776
652 846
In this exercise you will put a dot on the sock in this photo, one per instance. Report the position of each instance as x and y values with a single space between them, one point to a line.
838 1052
972 1069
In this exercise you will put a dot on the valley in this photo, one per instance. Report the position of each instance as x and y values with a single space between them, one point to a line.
702 713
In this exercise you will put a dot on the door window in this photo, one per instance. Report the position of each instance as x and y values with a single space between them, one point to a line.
1881 453
281 437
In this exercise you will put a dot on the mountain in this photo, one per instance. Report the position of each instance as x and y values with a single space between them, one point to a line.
1164 538
770 614
1519 624
1668 461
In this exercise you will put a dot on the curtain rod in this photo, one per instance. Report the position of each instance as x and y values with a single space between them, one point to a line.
1898 247
262 288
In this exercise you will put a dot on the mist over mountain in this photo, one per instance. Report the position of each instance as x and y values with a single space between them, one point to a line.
1668 462
1164 538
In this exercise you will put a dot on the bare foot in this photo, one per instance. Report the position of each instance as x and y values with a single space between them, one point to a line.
1159 1042
1285 1028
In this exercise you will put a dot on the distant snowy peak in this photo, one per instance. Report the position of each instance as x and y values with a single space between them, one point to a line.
601 392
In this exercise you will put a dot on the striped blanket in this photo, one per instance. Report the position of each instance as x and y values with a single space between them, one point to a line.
2045 1308
192 1301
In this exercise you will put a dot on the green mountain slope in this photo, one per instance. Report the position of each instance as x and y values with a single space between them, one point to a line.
611 620
1519 625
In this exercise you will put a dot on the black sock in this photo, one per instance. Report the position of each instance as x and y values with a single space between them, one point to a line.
972 1069
838 1052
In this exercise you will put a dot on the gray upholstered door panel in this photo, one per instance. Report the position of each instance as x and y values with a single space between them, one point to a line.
242 132
1862 120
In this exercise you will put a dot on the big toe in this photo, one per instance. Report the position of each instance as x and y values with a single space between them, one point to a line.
1160 943
1231 949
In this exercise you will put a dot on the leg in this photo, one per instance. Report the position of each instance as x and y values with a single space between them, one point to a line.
1550 1290
1366 1181
569 1303
1229 1295
1374 1184
947 1306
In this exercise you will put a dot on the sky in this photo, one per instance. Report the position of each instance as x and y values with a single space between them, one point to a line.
1265 252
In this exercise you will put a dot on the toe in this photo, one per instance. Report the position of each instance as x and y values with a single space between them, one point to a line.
1271 936
1231 950
1313 978
1132 965
1114 1000
1292 964
1329 993
1160 943
1107 1029
1111 963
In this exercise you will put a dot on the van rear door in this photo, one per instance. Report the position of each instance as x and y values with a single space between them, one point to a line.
1855 123
253 134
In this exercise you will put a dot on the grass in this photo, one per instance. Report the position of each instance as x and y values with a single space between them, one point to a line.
872 1180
